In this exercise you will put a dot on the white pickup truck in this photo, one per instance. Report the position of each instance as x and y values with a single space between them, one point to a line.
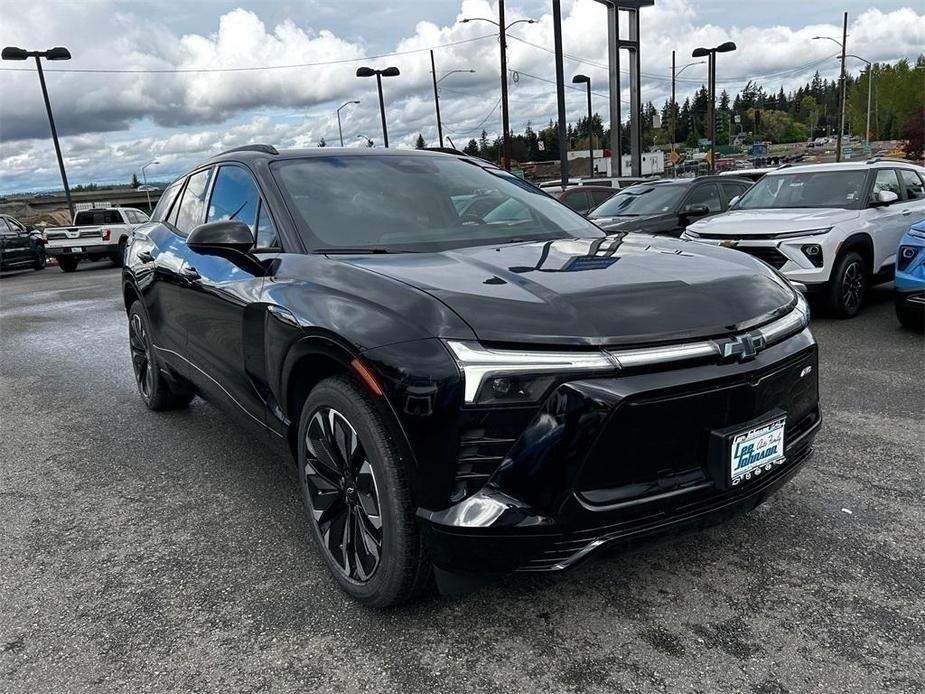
97 234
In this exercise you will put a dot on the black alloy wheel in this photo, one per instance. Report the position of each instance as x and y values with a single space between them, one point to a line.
357 496
848 285
153 387
67 264
344 495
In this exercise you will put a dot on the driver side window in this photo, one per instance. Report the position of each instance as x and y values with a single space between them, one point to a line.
705 196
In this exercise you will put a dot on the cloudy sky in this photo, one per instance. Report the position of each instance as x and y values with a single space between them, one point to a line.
176 81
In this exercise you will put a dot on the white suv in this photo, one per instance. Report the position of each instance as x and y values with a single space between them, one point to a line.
832 227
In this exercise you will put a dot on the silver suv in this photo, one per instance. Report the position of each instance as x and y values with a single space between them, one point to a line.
832 227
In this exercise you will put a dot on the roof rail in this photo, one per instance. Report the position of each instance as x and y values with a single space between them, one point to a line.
874 160
445 150
266 149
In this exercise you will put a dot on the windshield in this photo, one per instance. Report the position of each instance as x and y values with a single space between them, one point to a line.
418 203
808 189
640 200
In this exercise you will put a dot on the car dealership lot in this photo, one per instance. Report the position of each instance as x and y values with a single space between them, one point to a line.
159 552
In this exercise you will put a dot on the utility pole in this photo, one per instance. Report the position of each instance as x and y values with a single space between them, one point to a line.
560 90
671 122
505 119
433 72
842 95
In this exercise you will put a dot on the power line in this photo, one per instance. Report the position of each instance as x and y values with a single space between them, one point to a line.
483 121
254 68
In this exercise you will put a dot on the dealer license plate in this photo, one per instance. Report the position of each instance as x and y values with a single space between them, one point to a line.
77 249
757 450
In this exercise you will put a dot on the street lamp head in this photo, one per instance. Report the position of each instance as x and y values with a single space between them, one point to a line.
465 20
57 53
391 72
365 72
14 53
700 53
581 79
726 47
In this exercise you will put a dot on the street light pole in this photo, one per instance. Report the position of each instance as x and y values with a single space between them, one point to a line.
433 72
57 53
505 118
379 74
674 105
340 132
145 179
579 79
841 123
710 54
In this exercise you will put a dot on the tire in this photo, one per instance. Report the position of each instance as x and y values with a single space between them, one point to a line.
152 385
910 317
365 499
847 286
41 260
67 264
118 259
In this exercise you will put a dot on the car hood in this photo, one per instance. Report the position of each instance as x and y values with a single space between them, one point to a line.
746 222
623 223
621 289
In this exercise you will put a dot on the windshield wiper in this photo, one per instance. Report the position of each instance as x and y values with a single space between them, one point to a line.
358 251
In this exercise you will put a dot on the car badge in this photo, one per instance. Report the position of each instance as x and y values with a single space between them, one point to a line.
742 347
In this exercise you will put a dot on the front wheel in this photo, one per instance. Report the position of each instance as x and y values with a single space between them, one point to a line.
67 264
847 286
356 496
910 317
41 260
118 257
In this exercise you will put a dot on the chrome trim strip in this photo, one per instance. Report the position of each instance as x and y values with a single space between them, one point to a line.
646 356
224 390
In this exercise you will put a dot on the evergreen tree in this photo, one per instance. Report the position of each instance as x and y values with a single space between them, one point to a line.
419 143
135 182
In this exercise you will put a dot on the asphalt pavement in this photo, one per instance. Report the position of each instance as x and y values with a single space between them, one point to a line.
144 552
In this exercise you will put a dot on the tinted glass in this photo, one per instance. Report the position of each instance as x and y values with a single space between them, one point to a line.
414 202
705 196
97 217
641 200
730 190
266 230
914 188
886 180
190 212
810 189
234 196
578 201
599 196
167 198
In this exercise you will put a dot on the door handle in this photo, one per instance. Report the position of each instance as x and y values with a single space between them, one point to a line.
906 213
190 274
146 257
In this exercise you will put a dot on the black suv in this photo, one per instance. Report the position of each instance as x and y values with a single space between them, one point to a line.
668 205
471 378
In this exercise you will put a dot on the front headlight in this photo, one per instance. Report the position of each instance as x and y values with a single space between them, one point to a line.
499 376
800 234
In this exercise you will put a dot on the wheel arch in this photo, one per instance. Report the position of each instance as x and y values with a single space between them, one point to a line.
317 357
862 244
129 295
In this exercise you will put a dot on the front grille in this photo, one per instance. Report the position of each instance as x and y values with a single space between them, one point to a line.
771 256
660 442
480 454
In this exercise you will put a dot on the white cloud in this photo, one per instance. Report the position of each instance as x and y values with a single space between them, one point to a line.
113 123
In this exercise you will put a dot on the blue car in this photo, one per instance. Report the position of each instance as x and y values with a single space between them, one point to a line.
910 278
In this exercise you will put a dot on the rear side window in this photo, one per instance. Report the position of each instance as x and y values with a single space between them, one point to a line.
167 198
914 188
98 217
192 206
234 196
886 180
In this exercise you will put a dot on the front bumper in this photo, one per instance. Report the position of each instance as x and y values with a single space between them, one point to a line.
615 460
788 256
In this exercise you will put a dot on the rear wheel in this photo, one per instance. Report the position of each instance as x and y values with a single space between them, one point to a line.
847 285
67 264
152 384
356 496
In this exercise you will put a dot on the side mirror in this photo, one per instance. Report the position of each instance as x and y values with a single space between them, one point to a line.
225 235
695 211
886 197
734 201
